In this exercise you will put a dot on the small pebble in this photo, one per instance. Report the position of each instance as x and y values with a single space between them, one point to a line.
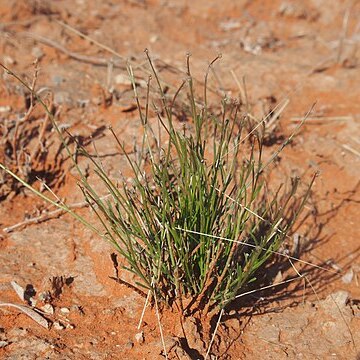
37 52
65 310
230 25
8 60
58 326
348 277
44 296
48 309
77 309
108 312
93 342
3 344
139 337
122 79
70 326
16 333
83 102
4 109
278 277
32 301
129 345
62 97
57 80
154 38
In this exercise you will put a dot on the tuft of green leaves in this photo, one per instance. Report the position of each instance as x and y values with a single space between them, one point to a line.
196 224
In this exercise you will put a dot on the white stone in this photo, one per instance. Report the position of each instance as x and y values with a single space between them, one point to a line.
122 79
48 309
139 337
348 277
65 310
58 326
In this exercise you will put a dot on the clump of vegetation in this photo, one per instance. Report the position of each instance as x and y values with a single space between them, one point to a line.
24 144
197 223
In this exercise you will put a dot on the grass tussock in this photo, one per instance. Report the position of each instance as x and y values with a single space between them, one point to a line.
197 222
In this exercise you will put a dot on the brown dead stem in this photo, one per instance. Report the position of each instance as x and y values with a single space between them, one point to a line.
208 282
26 116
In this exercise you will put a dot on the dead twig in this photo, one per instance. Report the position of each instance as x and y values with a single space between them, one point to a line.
48 216
40 148
27 115
84 58
141 66
322 118
26 22
343 35
91 40
29 312
348 148
214 333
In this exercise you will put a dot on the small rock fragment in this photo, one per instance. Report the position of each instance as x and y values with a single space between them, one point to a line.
296 245
4 109
20 291
181 353
16 334
8 60
335 333
58 326
122 79
62 97
230 25
108 312
334 302
65 310
154 38
192 332
77 308
139 337
70 326
83 102
297 11
269 333
348 277
37 52
48 309
44 296
3 344
340 297
335 266
278 277
57 80
129 345
93 342
32 302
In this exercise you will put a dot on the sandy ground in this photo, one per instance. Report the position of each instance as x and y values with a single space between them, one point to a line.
290 52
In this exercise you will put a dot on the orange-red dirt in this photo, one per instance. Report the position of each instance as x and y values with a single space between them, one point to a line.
304 50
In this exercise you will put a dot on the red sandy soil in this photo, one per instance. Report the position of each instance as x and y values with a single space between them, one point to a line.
306 51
